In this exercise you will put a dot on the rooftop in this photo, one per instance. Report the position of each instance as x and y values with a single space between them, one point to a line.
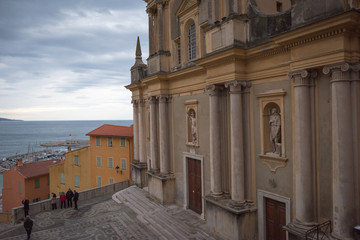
34 169
112 131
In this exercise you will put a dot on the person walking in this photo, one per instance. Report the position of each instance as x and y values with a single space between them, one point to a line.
26 206
62 200
53 201
28 224
69 196
76 198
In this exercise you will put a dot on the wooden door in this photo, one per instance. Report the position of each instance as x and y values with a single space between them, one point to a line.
194 183
275 219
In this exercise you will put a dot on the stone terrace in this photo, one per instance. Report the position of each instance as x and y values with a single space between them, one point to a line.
128 214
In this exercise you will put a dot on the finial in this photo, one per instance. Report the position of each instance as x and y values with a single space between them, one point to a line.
138 48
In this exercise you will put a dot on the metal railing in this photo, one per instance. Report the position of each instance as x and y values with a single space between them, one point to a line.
319 232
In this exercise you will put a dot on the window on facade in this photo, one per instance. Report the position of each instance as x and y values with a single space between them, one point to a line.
279 6
111 180
62 178
19 187
97 141
36 200
110 163
37 183
98 181
98 161
178 53
192 42
122 142
123 164
77 180
76 160
109 141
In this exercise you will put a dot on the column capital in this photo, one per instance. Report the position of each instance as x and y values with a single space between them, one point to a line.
141 102
163 98
134 102
339 72
302 77
213 89
152 99
236 86
355 67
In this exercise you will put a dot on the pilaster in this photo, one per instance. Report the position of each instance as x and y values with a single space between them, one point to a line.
136 130
153 134
164 134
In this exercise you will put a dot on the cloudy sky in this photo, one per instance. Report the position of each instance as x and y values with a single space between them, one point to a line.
69 59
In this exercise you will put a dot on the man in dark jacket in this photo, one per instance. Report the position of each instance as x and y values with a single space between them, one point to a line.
26 206
28 224
69 196
76 198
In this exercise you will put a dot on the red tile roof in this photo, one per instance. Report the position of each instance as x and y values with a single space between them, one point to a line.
34 169
112 131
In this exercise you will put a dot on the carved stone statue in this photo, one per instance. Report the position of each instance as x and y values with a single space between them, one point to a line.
275 130
192 124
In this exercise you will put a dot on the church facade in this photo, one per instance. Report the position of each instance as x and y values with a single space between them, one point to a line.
247 113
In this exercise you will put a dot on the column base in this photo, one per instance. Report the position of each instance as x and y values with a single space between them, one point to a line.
139 177
231 220
161 187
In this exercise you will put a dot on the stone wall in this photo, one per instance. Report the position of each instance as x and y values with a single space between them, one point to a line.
45 205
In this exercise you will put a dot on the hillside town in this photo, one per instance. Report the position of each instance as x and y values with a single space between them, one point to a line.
245 127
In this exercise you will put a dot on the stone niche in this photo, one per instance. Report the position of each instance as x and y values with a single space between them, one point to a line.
272 136
191 118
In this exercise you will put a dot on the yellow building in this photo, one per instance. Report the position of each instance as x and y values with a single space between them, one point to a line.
105 161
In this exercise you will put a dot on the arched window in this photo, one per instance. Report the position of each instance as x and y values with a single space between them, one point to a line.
192 42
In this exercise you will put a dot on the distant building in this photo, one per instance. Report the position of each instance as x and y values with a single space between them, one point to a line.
107 160
30 180
247 112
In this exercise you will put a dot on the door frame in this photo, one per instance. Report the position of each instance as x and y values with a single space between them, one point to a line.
186 156
262 210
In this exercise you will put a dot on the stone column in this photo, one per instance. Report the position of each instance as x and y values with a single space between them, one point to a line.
237 143
160 25
303 167
164 134
343 179
142 138
215 159
136 130
153 135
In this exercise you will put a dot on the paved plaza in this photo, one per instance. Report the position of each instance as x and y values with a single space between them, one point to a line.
128 214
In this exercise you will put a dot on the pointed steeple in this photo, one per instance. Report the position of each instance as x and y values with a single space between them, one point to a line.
138 71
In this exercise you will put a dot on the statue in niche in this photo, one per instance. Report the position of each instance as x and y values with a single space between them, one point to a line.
275 131
192 125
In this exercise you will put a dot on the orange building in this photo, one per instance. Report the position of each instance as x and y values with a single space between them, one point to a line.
107 160
30 180
111 152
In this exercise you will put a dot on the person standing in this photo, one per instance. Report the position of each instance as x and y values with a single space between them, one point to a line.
53 201
69 196
76 198
26 206
28 224
62 200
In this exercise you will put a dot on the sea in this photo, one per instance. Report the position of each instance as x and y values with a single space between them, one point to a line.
20 137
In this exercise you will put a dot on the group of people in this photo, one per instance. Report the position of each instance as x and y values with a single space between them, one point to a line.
68 198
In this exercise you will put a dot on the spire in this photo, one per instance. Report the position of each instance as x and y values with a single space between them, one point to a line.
138 48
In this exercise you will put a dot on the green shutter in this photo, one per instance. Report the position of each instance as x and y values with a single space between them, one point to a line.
123 164
37 183
19 187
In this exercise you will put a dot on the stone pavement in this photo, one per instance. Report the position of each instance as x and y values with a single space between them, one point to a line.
128 214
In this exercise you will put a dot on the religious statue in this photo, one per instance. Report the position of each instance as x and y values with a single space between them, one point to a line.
192 124
275 130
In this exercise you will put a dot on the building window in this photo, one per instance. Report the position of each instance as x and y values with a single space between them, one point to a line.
122 142
37 183
77 180
19 187
98 161
178 53
97 141
109 141
192 42
48 180
111 180
36 200
76 160
110 163
62 178
98 181
279 6
123 164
